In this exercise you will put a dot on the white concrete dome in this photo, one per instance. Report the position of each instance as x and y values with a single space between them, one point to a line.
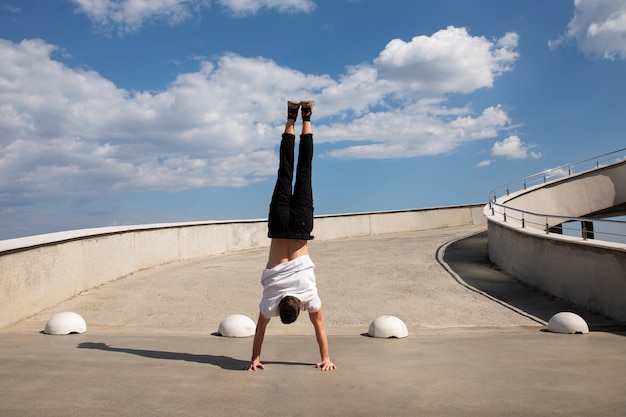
65 323
388 326
237 325
569 323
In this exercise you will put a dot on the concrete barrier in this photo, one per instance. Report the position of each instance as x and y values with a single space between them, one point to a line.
40 271
588 273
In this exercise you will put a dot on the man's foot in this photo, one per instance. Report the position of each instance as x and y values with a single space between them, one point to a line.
307 110
292 110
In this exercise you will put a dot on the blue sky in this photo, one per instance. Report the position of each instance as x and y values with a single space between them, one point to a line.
116 112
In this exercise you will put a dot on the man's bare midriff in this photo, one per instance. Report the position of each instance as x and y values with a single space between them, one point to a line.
285 250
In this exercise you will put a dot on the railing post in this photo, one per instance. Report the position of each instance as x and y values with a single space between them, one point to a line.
587 230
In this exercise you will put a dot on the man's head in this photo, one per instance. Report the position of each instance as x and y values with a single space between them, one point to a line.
289 309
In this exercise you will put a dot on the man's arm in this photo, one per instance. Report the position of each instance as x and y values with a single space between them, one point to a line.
259 334
322 341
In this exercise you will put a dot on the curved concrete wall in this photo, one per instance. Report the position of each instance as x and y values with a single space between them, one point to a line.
40 271
574 196
589 273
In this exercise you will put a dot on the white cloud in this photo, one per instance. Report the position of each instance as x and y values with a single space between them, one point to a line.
130 15
127 16
484 163
11 9
68 131
415 130
451 60
246 7
513 148
598 28
65 131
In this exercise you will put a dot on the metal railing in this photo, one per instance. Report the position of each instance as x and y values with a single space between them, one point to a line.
610 230
563 171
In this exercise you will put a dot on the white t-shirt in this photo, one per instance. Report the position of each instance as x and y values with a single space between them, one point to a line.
295 278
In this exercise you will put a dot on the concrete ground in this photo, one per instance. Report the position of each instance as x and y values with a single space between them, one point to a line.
477 343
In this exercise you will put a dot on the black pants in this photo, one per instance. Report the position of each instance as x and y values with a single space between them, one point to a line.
291 213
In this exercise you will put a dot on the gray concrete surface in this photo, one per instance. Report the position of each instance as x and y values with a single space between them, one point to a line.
477 343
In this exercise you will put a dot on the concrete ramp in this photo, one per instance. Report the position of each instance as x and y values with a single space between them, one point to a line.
574 196
588 272
474 347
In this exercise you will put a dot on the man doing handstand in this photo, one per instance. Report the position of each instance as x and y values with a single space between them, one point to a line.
288 280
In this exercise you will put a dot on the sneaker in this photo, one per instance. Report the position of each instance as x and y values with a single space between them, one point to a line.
292 109
307 109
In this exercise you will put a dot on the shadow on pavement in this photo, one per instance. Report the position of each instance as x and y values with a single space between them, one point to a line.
224 362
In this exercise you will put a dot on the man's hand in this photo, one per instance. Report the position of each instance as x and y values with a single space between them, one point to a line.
254 365
259 334
326 365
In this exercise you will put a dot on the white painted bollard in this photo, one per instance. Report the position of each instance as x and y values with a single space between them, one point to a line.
237 325
569 323
388 327
65 323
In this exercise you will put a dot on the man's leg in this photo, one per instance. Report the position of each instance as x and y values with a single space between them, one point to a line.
278 220
301 221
